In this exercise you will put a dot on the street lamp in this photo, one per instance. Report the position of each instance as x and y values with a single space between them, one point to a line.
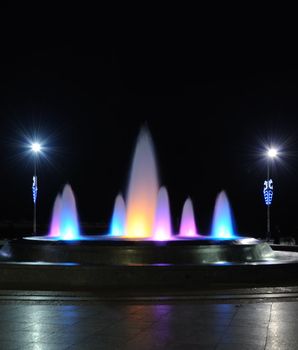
268 188
36 148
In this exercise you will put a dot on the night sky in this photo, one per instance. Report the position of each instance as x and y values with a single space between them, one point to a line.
212 106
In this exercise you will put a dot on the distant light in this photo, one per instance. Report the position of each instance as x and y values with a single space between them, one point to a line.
272 152
36 147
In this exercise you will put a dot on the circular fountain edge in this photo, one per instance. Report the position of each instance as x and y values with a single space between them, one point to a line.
85 265
137 252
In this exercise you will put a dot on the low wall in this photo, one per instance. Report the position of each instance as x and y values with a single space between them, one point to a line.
88 277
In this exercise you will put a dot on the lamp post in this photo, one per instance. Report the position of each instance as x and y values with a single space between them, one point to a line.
36 148
268 188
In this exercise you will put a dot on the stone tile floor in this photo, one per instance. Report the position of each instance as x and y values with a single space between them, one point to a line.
143 325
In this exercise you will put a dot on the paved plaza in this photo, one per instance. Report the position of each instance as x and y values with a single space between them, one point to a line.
182 323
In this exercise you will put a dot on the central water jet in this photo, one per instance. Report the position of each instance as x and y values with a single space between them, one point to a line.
142 190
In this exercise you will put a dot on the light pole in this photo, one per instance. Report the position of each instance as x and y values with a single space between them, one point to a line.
268 188
36 148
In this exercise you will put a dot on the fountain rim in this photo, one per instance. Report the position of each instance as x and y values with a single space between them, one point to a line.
119 252
107 240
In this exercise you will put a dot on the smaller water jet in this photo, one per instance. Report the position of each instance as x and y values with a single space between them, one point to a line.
118 218
65 224
188 228
222 223
56 218
162 225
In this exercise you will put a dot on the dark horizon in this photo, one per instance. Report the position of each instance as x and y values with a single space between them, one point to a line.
211 117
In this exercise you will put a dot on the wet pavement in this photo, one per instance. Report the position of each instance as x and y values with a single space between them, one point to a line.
185 323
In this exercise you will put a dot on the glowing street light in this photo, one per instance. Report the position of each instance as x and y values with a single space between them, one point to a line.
272 152
36 148
268 187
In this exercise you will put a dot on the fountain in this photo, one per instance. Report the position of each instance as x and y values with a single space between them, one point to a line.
65 223
141 232
188 226
142 190
146 217
118 219
222 223
162 224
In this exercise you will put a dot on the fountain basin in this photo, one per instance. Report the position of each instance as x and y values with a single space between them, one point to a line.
99 264
118 251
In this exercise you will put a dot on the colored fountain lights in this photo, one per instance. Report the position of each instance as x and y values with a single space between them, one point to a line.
146 213
65 223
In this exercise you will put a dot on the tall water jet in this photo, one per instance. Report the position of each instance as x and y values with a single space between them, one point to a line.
162 225
118 218
142 190
188 228
64 224
222 223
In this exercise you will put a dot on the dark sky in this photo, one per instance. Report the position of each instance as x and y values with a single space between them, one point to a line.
212 105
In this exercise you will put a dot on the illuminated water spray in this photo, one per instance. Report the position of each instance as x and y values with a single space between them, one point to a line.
118 218
188 226
222 224
56 218
162 225
65 223
142 190
146 213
